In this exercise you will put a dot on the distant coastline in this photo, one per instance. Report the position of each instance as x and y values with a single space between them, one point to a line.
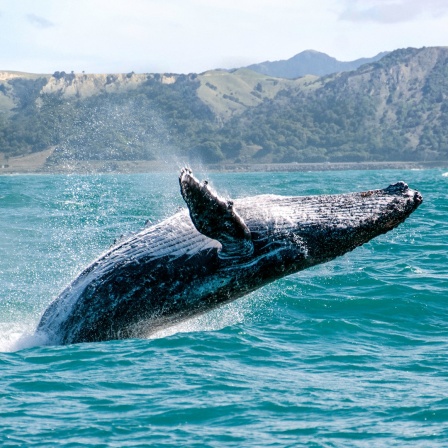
327 166
37 164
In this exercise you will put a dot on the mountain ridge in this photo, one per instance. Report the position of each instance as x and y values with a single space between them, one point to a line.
310 62
395 108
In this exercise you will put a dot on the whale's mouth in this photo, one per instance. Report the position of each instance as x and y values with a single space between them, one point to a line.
328 225
402 189
395 204
348 221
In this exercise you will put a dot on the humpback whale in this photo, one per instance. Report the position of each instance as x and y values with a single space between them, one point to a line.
212 252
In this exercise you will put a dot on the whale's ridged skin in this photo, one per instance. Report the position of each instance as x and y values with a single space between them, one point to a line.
170 271
153 247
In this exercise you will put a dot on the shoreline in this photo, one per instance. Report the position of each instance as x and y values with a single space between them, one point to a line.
37 164
328 166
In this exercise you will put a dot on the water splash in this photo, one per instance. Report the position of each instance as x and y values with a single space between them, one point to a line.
231 314
66 222
15 336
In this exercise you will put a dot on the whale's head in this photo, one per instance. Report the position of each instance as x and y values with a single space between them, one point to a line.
295 232
315 229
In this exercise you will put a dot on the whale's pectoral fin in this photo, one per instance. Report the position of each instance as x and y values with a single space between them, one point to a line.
215 217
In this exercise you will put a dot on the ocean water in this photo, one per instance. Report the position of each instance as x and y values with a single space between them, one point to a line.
350 353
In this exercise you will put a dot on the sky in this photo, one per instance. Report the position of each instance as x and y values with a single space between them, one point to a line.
192 36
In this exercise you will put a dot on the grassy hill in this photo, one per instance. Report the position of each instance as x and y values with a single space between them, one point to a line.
392 109
231 93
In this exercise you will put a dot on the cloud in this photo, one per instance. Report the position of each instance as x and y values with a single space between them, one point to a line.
107 36
392 11
39 22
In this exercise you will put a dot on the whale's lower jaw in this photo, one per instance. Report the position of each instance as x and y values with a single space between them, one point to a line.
171 271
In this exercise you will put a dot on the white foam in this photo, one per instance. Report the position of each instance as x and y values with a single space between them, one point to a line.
19 336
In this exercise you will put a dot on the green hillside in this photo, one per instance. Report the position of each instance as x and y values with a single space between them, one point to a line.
392 109
231 93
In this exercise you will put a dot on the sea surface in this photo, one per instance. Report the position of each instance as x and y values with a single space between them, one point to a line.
353 353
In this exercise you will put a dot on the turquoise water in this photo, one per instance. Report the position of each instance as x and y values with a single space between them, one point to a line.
351 353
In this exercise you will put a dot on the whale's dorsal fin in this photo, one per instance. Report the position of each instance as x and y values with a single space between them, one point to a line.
215 217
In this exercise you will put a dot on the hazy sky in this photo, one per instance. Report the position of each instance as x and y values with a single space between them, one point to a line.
182 36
